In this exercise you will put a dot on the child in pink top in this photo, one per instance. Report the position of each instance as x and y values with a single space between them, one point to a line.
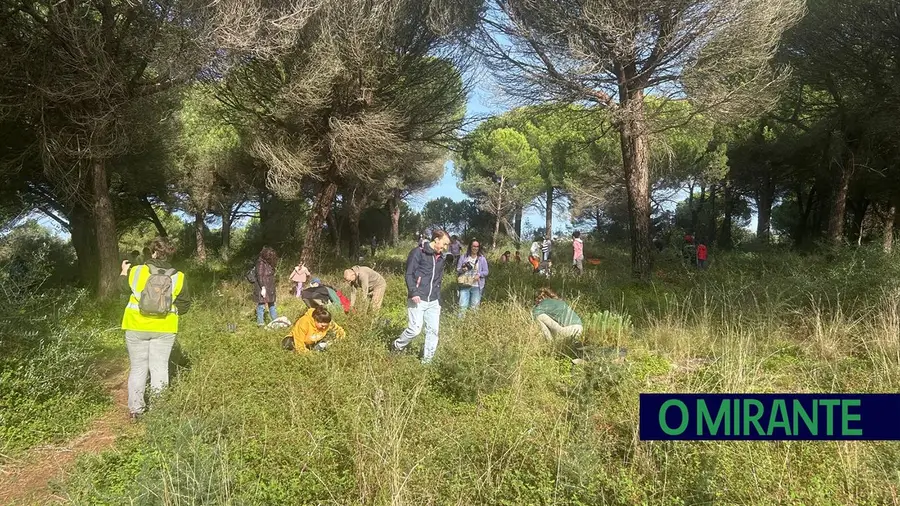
299 276
578 252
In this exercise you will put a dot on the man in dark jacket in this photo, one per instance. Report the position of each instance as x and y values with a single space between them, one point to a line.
424 272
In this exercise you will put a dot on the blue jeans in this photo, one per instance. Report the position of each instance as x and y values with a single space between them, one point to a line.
469 296
427 313
261 310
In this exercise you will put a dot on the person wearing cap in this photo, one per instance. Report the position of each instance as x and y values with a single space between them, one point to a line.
367 281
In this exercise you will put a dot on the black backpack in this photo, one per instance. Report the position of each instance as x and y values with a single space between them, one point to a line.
251 275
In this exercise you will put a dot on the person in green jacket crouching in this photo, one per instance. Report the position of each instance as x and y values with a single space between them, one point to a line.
554 316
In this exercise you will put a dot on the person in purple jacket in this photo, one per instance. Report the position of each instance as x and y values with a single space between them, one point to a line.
455 250
424 273
472 269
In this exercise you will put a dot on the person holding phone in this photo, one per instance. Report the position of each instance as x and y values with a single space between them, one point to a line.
150 327
472 269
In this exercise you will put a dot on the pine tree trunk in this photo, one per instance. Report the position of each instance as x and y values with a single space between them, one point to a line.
695 210
548 218
725 240
496 232
109 263
334 232
82 230
518 223
860 208
889 221
319 213
764 199
226 231
353 215
499 211
635 150
160 228
199 225
268 219
394 203
839 205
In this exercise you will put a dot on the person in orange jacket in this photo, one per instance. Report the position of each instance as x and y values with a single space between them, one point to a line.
311 330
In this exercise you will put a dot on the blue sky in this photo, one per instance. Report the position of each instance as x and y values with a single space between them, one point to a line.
483 101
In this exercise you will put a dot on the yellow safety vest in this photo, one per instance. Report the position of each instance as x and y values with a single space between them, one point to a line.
134 320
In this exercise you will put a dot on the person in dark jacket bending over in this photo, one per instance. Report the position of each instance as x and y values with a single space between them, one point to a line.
424 272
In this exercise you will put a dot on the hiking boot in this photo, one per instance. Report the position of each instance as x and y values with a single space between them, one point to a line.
135 417
393 350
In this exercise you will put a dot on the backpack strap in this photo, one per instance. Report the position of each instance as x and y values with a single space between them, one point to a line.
136 273
175 274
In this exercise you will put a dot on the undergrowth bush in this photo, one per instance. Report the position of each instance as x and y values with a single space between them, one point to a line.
500 416
49 384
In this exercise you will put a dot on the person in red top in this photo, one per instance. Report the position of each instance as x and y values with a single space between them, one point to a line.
701 255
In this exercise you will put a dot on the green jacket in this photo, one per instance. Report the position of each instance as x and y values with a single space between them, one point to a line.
333 296
558 310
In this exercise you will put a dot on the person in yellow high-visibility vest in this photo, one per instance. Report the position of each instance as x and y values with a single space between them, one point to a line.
150 339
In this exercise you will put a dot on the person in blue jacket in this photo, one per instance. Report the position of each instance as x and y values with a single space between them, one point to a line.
424 273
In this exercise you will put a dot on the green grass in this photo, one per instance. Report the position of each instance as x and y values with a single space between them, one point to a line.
502 417
55 348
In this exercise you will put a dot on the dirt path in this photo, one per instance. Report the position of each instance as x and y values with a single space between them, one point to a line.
27 480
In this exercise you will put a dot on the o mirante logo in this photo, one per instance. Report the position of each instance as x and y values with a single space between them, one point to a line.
769 417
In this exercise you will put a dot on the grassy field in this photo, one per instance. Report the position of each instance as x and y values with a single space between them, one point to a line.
503 417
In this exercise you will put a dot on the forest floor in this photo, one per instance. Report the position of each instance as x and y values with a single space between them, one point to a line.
32 477
500 416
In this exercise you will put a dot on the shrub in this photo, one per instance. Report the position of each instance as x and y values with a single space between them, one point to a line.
606 326
499 418
49 386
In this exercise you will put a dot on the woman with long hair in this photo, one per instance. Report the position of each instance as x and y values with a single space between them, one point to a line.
264 288
472 269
